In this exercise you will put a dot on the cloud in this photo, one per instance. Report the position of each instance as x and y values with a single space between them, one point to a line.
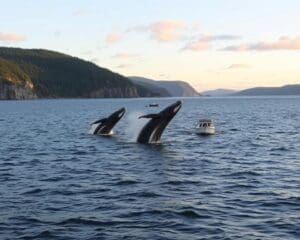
241 47
173 30
125 55
123 66
220 37
163 31
197 45
238 66
204 40
11 37
166 31
113 37
283 43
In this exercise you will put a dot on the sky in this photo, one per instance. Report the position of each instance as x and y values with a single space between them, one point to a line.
232 44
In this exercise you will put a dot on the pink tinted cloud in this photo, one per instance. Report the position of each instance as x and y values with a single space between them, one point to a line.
11 37
197 45
218 37
283 43
113 37
204 40
166 31
163 31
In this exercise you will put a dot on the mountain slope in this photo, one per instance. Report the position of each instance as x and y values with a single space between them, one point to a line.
55 75
173 88
219 92
179 88
265 91
151 84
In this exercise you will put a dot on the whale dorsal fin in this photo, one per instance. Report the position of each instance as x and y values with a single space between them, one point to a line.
99 121
153 115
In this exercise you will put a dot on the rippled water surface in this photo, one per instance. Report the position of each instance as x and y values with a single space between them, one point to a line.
59 182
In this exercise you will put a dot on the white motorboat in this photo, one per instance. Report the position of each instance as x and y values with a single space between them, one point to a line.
153 105
205 127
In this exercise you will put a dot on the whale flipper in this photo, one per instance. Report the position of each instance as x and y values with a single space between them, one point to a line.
153 115
153 130
99 121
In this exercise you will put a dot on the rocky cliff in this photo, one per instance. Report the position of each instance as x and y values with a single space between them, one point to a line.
113 92
8 90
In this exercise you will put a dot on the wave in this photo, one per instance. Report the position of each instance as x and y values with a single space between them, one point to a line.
91 222
143 194
168 213
126 182
180 182
190 214
242 174
281 149
42 235
33 191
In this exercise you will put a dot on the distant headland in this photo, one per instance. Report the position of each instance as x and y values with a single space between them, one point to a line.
293 89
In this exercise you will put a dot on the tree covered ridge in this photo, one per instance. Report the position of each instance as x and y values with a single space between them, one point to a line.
55 74
11 72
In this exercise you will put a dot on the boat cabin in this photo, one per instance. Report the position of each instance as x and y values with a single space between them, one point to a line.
205 123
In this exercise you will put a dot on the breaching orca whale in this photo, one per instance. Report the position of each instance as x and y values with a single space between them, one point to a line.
153 130
104 126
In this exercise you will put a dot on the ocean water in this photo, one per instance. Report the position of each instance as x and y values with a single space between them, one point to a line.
57 181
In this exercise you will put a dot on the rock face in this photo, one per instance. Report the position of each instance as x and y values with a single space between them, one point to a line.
114 92
9 91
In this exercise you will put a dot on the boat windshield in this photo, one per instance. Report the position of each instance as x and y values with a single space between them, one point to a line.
205 123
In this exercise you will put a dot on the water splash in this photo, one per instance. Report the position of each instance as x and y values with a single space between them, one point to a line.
135 125
93 128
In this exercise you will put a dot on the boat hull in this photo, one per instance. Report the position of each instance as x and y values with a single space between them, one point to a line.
205 130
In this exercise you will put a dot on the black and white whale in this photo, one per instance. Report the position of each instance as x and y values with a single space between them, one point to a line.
153 130
104 126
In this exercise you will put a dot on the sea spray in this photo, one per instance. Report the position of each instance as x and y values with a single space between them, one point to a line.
135 125
92 128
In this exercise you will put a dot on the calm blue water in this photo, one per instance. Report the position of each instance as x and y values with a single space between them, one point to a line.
59 182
